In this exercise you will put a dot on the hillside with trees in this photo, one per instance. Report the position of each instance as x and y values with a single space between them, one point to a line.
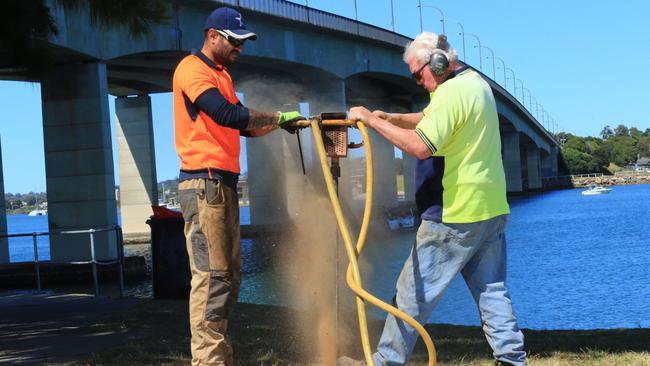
611 151
17 203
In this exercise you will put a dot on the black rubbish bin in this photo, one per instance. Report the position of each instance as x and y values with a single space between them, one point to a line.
169 260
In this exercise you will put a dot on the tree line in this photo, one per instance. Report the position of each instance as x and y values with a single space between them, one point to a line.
611 151
17 200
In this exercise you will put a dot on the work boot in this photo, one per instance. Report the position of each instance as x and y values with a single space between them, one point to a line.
347 361
502 363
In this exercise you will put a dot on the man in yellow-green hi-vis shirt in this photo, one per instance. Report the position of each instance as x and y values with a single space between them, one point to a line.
461 197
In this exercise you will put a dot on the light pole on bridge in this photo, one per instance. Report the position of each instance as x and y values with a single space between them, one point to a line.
494 71
536 107
462 33
480 54
522 90
392 15
555 127
530 100
356 15
530 103
442 15
505 81
514 83
550 122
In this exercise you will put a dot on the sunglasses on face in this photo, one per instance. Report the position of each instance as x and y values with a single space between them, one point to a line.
418 74
232 40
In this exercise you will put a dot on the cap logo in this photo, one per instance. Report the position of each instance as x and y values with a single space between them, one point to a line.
241 24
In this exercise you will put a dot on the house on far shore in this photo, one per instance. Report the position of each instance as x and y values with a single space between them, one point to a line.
642 164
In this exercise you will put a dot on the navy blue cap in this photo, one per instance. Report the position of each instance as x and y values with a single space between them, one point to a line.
230 21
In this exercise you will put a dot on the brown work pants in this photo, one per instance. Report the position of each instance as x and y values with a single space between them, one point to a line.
211 214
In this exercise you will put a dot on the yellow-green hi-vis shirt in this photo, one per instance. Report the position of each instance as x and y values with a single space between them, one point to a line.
461 124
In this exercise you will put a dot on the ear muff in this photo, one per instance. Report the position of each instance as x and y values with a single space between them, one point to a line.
439 63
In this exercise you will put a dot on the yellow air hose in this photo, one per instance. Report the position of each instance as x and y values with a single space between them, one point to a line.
353 274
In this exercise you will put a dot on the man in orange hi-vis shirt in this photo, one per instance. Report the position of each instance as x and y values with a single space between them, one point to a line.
208 120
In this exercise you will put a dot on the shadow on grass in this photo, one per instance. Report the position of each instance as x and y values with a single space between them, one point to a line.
455 343
267 335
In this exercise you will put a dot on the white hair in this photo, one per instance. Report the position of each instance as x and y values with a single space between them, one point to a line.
423 46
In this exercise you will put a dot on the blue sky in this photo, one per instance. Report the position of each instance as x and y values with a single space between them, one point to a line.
583 61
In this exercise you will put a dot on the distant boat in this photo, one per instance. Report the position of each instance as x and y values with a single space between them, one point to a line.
595 189
170 205
37 213
174 206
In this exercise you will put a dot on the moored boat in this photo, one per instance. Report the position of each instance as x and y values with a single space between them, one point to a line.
37 213
595 189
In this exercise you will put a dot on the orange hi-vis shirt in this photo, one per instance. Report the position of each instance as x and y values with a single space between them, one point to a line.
202 143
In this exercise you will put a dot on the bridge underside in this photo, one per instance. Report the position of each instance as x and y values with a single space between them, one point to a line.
282 70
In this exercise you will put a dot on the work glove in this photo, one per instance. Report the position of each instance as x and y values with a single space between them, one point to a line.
286 119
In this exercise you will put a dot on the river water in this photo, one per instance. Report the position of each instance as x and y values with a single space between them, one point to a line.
574 262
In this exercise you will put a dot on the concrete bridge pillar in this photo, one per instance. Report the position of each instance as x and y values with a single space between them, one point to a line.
78 160
512 161
267 183
275 178
137 162
281 194
549 163
384 166
534 168
385 174
4 242
267 179
330 97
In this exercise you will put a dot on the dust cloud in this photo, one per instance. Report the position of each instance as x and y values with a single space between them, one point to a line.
313 260
315 264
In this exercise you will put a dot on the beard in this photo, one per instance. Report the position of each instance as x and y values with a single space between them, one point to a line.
228 59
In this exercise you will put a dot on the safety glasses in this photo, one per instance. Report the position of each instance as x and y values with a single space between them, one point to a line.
233 41
418 74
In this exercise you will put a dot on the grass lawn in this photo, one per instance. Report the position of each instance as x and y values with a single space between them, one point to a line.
266 335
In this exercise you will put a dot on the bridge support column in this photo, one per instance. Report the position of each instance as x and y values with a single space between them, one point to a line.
329 97
137 162
4 242
549 163
385 167
78 160
512 161
534 168
385 174
267 180
265 156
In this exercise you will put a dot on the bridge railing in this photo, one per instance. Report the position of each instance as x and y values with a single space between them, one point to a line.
319 18
571 177
94 262
639 172
589 175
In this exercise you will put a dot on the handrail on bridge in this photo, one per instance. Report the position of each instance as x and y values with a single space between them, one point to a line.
119 242
319 18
